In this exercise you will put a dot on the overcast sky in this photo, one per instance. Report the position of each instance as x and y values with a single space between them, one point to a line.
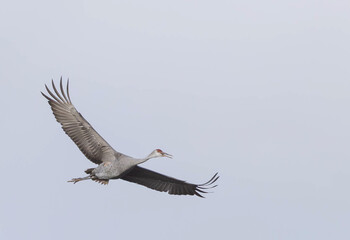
258 91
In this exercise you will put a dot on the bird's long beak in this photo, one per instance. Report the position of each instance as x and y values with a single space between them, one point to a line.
167 155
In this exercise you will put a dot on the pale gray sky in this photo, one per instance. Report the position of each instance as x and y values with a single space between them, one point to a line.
256 90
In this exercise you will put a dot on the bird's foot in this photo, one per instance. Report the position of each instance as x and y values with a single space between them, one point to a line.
75 180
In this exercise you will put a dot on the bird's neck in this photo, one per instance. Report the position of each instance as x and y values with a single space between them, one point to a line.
142 160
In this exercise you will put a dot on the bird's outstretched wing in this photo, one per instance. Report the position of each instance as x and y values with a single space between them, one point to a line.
164 183
94 147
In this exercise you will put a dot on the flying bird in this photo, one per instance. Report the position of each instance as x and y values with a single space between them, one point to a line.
113 164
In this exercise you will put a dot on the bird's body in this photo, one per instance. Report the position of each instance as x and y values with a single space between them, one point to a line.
117 166
113 164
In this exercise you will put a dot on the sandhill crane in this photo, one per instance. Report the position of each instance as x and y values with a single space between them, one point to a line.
113 164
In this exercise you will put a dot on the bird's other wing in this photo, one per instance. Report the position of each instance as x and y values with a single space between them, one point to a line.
164 183
94 147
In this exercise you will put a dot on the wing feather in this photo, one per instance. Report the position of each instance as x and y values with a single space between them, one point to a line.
164 183
92 145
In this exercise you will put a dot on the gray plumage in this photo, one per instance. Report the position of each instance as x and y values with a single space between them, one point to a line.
113 164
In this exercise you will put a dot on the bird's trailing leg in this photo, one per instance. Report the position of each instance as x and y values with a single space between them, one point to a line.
75 180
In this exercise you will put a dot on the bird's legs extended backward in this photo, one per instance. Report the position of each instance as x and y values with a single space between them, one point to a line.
75 180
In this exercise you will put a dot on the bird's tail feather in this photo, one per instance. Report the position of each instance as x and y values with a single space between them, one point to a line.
102 181
94 178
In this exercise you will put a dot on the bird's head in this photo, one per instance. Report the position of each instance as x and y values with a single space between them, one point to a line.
159 153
